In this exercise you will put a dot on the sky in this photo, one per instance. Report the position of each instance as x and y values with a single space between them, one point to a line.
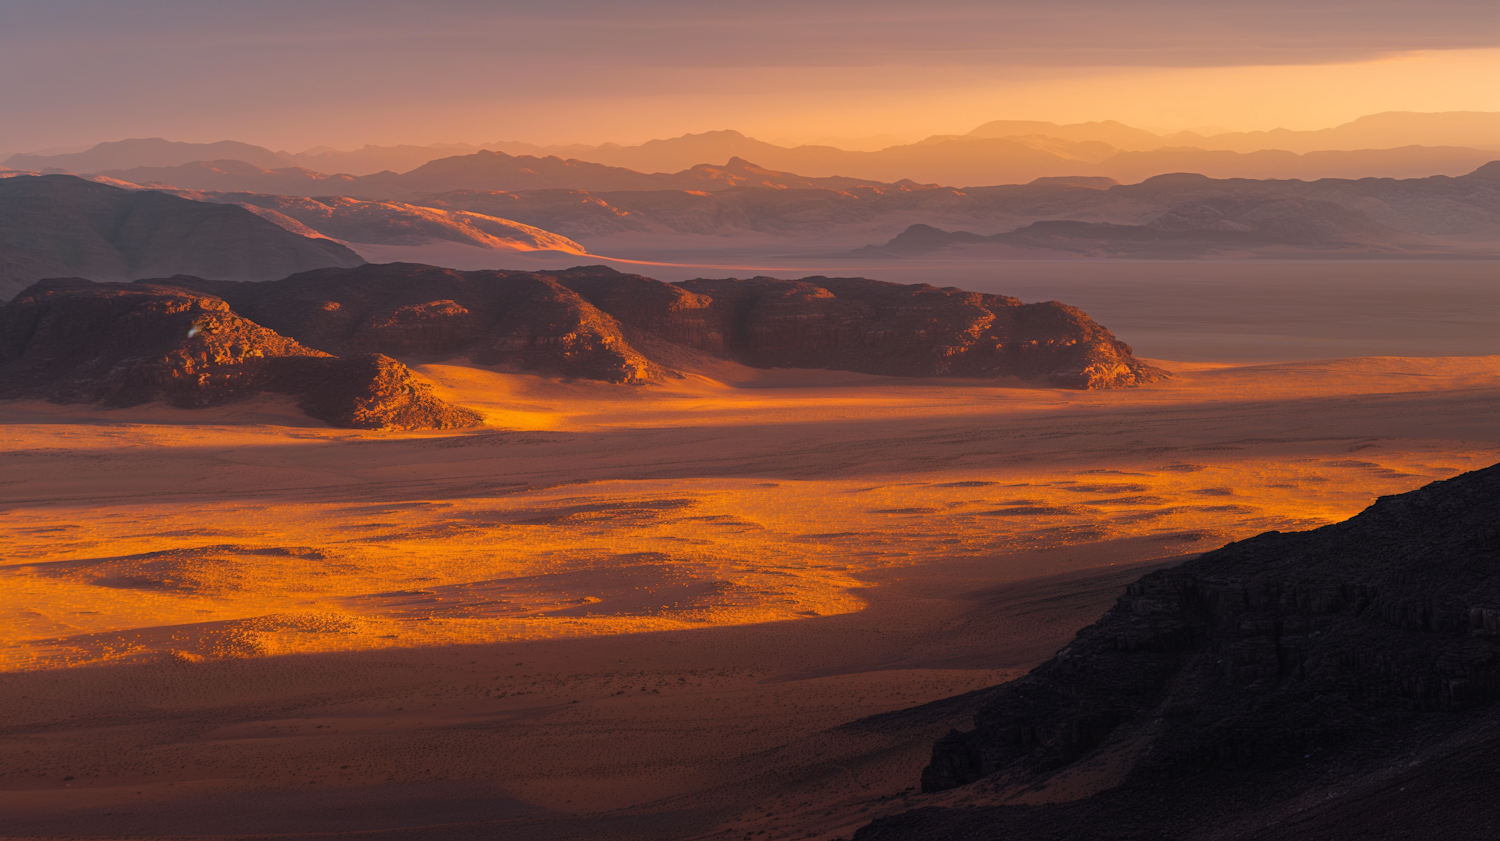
291 75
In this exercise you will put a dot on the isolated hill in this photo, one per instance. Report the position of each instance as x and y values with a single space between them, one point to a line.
1333 684
62 226
597 323
73 341
392 223
147 152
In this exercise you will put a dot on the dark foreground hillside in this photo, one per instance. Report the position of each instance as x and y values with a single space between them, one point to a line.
1332 684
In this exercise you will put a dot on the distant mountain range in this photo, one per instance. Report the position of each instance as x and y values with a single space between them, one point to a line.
998 152
1399 215
61 226
1165 216
153 151
1005 161
479 171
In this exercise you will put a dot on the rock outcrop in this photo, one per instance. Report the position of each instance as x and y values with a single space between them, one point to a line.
573 323
914 330
62 226
1271 666
515 319
74 341
331 337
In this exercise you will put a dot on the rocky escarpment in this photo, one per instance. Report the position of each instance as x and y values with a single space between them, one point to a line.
580 323
125 344
516 319
1238 681
195 342
915 330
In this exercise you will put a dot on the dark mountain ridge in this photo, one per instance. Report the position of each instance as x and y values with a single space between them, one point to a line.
1234 691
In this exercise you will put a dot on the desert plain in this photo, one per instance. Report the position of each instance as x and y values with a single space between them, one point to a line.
738 604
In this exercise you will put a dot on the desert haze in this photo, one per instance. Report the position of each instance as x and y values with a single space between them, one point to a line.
890 422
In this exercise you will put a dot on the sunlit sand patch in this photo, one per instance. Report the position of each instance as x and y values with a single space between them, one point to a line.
610 510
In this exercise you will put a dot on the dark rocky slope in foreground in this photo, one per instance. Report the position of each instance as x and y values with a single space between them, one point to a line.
600 324
62 226
117 344
1333 684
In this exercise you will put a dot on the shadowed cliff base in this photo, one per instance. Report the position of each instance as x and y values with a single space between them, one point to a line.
1338 683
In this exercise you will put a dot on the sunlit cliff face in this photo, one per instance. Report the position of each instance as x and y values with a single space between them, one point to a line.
595 509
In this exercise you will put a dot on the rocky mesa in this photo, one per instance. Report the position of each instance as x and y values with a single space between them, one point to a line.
76 341
332 337
596 323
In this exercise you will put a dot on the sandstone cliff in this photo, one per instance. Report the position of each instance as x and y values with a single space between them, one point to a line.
1232 683
115 344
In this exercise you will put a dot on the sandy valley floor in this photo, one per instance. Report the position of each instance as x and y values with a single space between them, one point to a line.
665 611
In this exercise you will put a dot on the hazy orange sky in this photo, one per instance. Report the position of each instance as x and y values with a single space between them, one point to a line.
291 75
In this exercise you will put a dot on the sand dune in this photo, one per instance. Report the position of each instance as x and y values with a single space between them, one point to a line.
656 611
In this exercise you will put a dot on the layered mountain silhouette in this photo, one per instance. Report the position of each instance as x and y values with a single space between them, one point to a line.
1393 144
1333 684
951 160
329 337
62 226
479 171
1387 215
